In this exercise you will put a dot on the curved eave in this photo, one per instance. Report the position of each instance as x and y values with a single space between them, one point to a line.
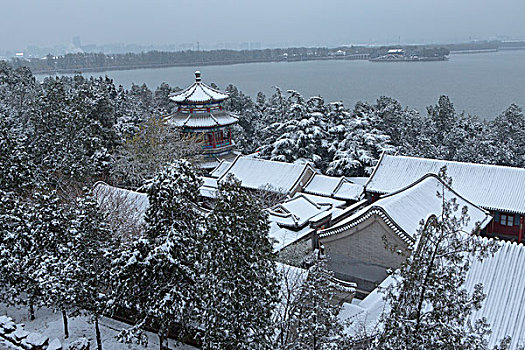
203 121
407 238
198 93
486 207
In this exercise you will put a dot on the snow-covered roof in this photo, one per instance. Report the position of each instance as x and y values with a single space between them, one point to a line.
322 200
202 120
490 186
337 187
117 197
296 212
209 187
255 173
349 191
500 274
220 169
322 185
405 209
198 93
360 180
290 220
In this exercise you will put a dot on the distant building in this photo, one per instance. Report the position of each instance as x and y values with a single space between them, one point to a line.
396 52
200 114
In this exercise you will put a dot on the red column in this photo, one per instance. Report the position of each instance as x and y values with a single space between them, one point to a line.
520 236
229 135
213 139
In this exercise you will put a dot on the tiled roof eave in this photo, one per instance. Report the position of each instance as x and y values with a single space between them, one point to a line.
486 207
408 239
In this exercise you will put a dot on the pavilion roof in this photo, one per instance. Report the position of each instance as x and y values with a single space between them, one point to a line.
198 93
203 120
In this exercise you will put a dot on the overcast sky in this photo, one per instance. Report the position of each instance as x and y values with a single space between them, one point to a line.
305 22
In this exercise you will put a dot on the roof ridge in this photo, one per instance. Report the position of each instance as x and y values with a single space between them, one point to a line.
424 177
454 162
304 197
338 186
215 119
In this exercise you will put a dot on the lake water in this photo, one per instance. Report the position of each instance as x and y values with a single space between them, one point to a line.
483 84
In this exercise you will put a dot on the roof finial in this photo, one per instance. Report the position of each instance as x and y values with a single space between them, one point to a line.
197 76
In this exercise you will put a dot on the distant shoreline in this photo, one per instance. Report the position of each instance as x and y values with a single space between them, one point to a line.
288 59
190 64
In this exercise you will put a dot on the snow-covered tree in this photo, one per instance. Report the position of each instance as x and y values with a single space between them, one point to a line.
239 286
302 136
310 320
429 306
54 248
90 262
442 117
152 147
17 244
155 276
162 102
359 151
72 129
16 168
508 135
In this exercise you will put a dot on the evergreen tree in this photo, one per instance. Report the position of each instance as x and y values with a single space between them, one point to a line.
442 117
429 306
508 136
161 99
240 281
302 137
155 276
52 254
359 151
90 262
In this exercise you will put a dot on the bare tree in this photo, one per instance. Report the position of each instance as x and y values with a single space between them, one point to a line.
155 145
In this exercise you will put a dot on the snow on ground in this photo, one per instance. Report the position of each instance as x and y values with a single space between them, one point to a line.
50 324
4 344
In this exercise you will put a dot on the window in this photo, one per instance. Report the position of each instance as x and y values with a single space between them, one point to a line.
507 220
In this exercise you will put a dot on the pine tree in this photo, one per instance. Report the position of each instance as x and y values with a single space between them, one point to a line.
429 307
155 276
90 261
359 151
442 117
51 232
302 137
239 277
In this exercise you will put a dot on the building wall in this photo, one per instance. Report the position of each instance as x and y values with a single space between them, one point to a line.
295 253
507 226
364 253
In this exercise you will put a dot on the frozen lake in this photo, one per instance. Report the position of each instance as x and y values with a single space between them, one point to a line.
484 84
